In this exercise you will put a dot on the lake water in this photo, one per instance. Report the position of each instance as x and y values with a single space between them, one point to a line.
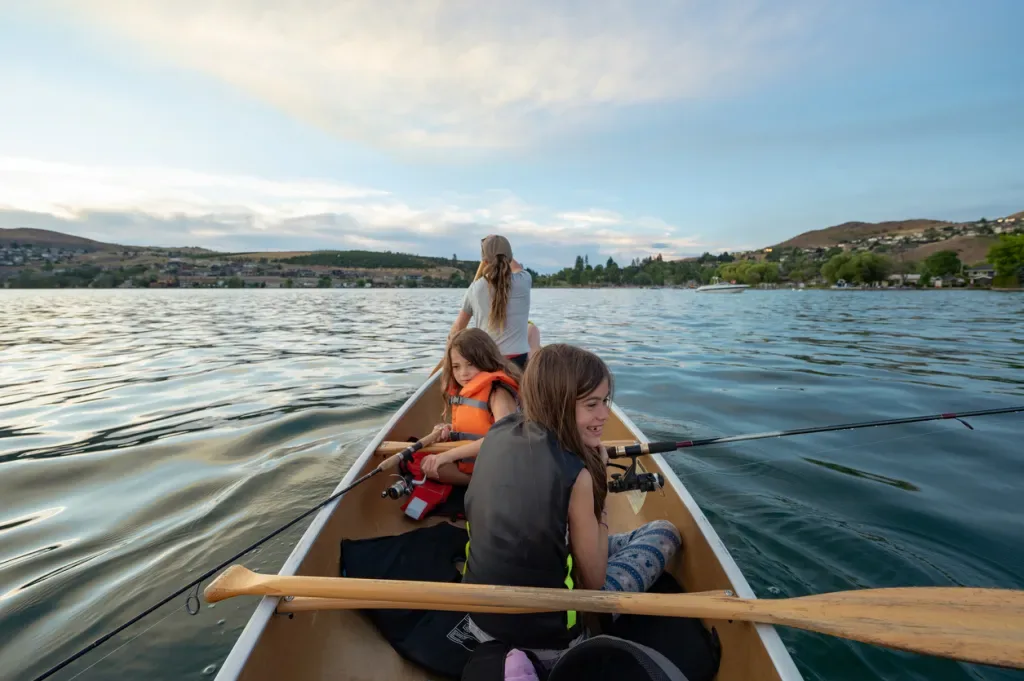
147 435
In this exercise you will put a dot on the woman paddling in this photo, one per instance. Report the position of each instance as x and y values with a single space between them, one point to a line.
535 507
499 301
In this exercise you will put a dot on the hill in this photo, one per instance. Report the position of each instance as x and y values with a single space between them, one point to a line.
851 231
970 249
49 239
375 260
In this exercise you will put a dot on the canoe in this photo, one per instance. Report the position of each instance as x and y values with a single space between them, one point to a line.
341 644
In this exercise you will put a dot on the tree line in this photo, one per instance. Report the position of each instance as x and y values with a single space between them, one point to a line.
792 264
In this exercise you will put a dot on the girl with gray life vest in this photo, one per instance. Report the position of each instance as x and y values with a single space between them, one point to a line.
535 506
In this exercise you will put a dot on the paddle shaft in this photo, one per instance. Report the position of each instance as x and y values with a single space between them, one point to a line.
302 604
623 451
976 625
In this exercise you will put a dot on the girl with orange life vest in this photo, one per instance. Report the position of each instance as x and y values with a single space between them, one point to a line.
481 386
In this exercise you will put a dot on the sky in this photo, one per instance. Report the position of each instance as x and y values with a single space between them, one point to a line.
596 127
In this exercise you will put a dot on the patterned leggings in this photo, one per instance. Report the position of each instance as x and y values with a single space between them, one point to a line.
636 559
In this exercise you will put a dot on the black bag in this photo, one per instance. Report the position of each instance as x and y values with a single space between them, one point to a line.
436 640
696 651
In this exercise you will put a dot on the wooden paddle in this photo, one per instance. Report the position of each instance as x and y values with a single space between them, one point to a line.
390 447
971 624
479 273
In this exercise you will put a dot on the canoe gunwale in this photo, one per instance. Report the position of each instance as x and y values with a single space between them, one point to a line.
769 636
250 636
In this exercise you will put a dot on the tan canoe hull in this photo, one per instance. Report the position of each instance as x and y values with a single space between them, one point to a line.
339 644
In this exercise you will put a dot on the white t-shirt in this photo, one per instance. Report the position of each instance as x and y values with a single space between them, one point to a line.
513 339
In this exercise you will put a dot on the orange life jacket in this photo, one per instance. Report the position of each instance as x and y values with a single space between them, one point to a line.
471 411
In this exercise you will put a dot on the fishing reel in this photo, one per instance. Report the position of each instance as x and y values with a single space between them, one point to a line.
402 487
631 480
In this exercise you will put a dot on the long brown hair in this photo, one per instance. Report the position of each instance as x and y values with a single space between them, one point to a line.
498 273
496 256
480 350
556 377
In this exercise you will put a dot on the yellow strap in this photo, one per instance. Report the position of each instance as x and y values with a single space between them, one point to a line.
570 616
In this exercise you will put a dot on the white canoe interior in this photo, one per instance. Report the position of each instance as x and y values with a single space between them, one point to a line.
338 644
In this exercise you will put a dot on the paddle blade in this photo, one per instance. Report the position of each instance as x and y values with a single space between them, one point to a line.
976 625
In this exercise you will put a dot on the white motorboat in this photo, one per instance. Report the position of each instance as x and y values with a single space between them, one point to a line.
716 287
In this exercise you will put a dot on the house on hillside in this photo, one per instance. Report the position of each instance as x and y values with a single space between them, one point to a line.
982 275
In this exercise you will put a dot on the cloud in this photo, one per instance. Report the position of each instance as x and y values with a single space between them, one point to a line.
459 74
174 207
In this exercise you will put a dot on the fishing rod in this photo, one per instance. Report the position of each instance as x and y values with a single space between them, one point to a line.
631 480
625 451
192 602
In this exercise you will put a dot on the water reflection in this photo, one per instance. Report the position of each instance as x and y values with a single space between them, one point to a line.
874 477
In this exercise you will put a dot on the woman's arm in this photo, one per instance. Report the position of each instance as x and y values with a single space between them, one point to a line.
588 538
461 322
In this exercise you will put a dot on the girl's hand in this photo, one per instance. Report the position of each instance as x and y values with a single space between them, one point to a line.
430 464
445 431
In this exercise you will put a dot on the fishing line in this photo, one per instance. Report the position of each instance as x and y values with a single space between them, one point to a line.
159 621
206 575
728 470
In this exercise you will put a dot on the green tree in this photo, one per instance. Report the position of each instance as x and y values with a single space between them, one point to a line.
943 263
323 282
612 272
359 282
288 283
235 282
642 279
1007 256
833 268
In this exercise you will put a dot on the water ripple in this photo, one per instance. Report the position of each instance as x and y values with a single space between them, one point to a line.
147 435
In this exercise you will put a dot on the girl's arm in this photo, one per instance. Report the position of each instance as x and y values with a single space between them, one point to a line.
432 462
587 537
502 404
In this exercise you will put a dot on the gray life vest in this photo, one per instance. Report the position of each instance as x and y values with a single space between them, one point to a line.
517 516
